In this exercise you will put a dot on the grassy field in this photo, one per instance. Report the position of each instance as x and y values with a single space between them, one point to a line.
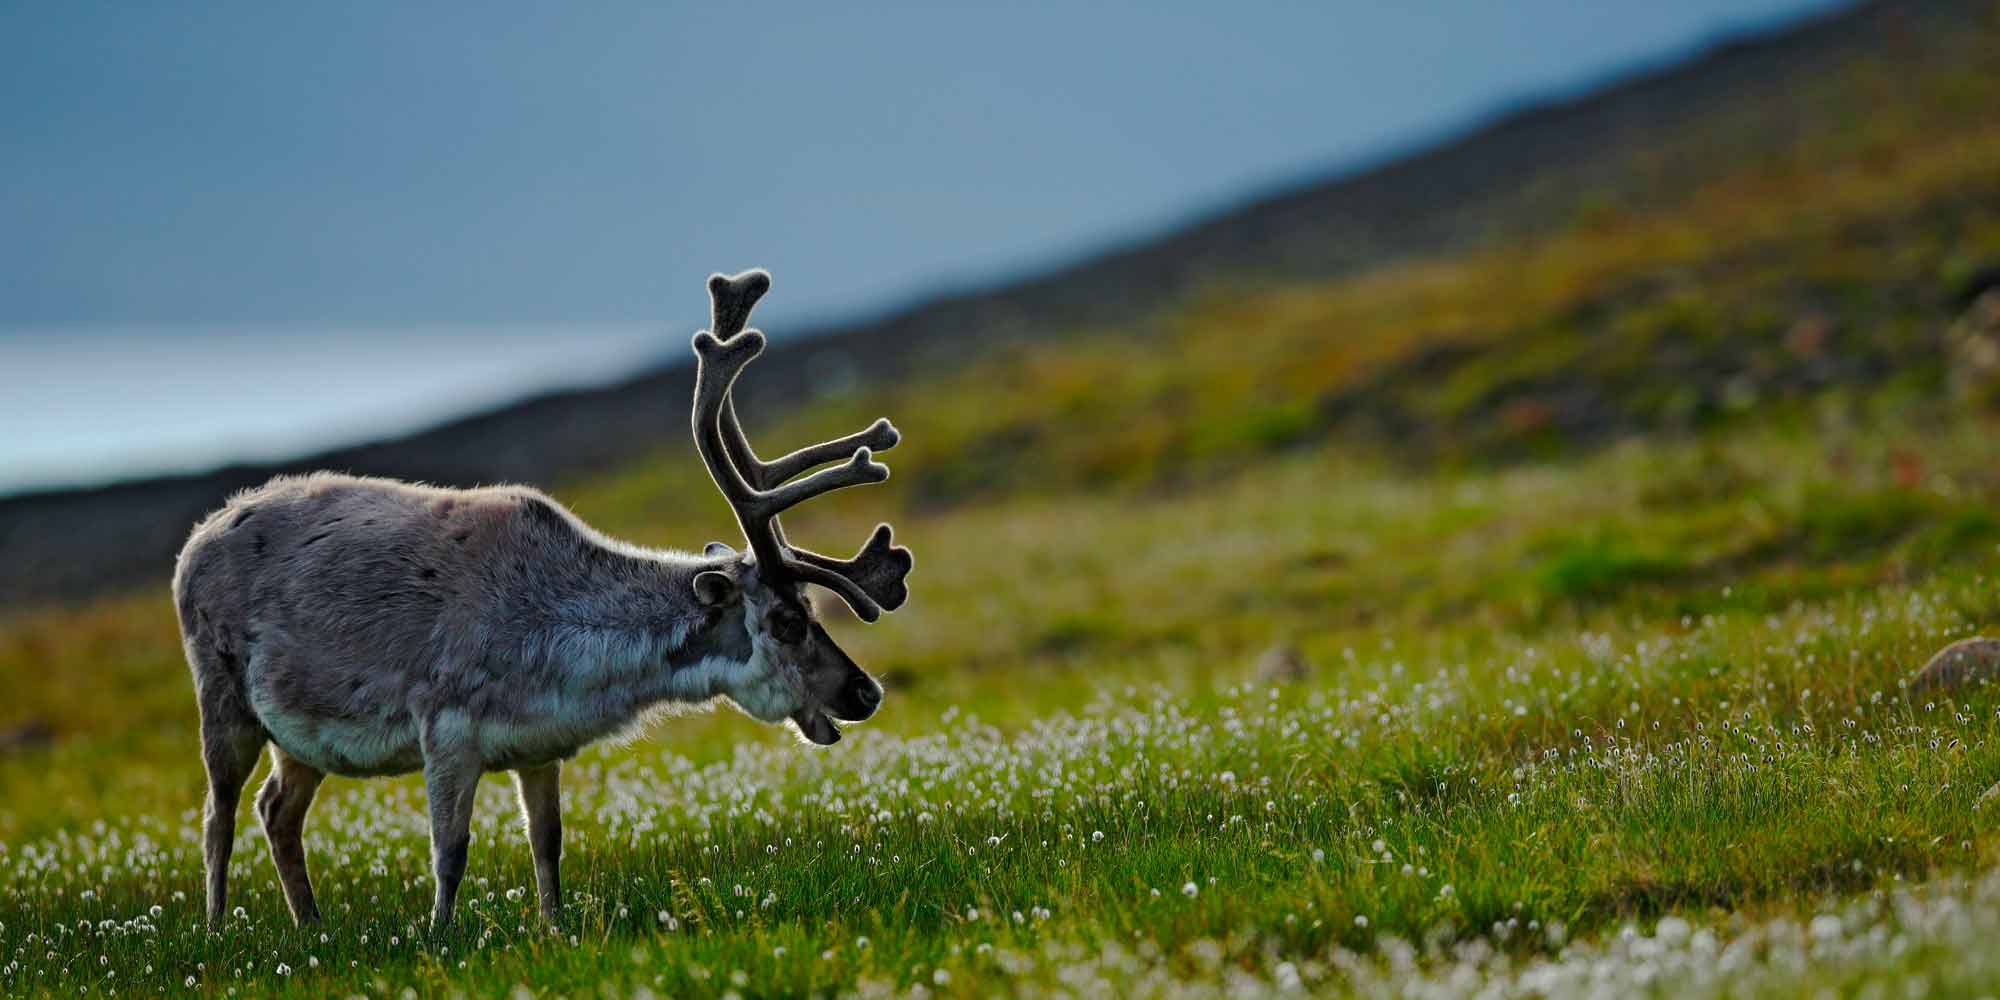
1592 570
1545 709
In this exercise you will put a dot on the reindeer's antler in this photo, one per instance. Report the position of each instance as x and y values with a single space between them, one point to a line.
878 569
731 298
872 581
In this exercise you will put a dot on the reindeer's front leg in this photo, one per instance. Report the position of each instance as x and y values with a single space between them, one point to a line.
451 777
541 807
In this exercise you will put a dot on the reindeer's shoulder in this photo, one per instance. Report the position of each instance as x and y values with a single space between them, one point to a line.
513 511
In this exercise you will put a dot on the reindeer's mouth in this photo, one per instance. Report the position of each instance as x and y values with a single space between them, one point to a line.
814 725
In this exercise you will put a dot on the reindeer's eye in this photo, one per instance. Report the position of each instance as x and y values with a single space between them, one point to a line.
788 628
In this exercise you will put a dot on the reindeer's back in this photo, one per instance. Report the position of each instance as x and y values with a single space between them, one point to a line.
336 555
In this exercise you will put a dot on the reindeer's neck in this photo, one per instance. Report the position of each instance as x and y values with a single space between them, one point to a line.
626 634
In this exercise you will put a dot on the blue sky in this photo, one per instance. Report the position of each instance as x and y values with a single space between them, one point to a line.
263 191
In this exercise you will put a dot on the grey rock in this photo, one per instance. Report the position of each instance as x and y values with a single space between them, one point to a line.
1282 663
1965 663
1974 351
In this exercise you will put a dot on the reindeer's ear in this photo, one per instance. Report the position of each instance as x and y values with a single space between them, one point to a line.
715 588
715 550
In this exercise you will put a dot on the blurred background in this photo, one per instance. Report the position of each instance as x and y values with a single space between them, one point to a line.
238 234
1390 402
1132 256
245 233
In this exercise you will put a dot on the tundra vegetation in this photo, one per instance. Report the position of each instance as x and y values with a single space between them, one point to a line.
1604 560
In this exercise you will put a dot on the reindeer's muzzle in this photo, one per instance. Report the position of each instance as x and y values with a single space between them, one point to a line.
857 699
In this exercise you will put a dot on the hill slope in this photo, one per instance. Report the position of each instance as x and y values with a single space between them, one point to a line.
1777 102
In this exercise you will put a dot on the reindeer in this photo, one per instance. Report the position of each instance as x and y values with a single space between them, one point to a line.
372 627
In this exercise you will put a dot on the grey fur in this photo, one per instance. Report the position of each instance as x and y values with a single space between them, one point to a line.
371 627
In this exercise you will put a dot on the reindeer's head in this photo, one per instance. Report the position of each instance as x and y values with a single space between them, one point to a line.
804 675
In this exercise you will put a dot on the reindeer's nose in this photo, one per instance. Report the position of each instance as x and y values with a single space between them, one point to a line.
867 695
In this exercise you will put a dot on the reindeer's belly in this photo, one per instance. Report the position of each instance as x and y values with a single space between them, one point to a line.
346 748
365 730
365 741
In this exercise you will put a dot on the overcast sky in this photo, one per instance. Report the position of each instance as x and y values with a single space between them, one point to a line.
323 176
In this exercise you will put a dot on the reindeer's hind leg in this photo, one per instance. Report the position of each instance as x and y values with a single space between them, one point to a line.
230 739
281 808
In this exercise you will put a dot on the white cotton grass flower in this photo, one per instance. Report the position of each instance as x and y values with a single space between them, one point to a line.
1285 976
980 778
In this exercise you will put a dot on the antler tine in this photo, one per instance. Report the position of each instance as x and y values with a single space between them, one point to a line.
716 370
879 569
880 436
863 606
856 471
731 298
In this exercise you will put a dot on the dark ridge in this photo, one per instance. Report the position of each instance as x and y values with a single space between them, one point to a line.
1516 176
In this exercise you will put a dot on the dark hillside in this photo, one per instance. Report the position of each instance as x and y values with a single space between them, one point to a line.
1593 161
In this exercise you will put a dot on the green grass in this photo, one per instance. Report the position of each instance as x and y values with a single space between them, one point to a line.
1599 568
1608 554
1501 735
